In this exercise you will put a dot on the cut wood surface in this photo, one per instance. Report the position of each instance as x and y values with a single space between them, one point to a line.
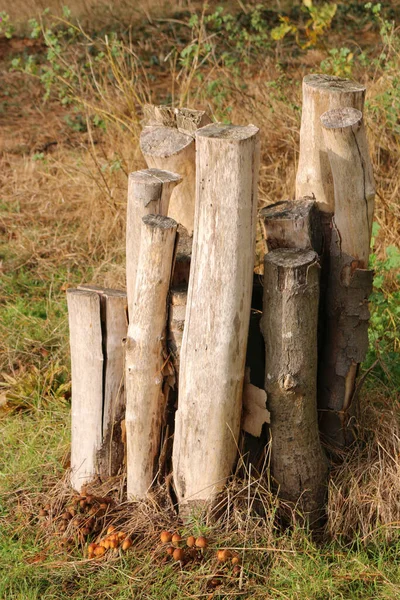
218 311
87 363
149 192
145 353
349 281
292 224
289 326
167 142
320 94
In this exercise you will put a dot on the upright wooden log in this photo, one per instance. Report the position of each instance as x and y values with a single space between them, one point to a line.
109 448
349 283
149 192
115 326
320 94
292 224
167 142
289 326
87 362
145 355
218 312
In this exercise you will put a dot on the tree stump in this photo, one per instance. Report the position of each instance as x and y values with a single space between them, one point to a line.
149 192
218 311
145 353
320 94
289 327
292 224
349 282
167 142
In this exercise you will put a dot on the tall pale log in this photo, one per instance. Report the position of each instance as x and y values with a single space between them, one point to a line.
289 327
218 311
149 192
320 94
292 224
87 364
145 355
350 282
167 142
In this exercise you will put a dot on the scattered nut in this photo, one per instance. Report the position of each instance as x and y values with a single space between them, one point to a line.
127 543
178 554
223 555
176 538
165 537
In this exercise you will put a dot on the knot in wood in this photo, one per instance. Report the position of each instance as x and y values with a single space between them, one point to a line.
288 382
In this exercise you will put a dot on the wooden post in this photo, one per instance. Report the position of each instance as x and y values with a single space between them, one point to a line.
149 192
320 94
97 448
218 312
167 142
115 320
289 326
145 355
349 283
87 362
292 224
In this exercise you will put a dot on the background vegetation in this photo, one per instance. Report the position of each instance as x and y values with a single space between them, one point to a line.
73 81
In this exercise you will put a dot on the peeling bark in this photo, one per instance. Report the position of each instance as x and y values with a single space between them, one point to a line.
349 281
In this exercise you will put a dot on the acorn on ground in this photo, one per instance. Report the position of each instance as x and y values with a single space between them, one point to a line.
165 537
178 555
127 543
201 542
223 555
176 539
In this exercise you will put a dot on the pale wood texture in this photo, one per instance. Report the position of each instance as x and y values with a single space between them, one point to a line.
167 142
149 192
320 94
176 324
289 326
114 325
87 364
354 187
115 319
145 353
292 224
218 311
349 281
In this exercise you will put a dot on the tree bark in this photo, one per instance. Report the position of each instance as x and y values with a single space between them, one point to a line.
292 224
289 326
218 311
145 353
349 282
167 142
87 362
320 94
149 192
